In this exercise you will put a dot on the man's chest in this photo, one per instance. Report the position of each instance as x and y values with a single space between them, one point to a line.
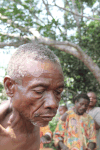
20 142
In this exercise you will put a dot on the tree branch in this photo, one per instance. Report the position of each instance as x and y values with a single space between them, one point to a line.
76 12
72 49
66 46
10 22
15 44
47 8
17 36
88 17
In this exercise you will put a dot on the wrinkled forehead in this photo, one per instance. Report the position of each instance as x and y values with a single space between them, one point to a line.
62 108
83 100
91 94
35 67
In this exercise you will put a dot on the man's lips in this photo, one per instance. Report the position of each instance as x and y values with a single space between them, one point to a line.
82 110
47 117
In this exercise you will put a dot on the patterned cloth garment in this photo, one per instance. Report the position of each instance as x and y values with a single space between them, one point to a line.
44 131
76 132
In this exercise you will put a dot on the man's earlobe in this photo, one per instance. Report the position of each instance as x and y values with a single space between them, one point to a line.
9 86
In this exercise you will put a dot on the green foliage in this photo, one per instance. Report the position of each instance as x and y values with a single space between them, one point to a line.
53 123
3 95
21 14
1 87
88 2
90 43
50 145
90 40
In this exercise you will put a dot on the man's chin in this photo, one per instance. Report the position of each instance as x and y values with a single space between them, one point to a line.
40 124
91 105
81 112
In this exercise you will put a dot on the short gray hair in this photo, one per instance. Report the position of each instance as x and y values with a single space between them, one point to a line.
30 51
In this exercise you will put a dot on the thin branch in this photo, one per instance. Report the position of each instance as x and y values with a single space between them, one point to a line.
17 36
71 91
15 44
76 13
39 19
10 22
11 35
48 11
47 8
31 12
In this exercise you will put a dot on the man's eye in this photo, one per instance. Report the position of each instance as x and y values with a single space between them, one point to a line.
58 92
39 92
81 104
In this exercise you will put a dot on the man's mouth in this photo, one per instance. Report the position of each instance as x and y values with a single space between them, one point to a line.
47 117
82 110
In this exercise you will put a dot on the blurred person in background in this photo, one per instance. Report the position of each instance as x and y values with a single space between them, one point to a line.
76 129
62 109
95 113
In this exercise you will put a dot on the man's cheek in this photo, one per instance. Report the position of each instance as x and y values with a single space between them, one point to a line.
36 108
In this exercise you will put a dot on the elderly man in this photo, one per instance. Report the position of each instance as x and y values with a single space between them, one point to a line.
95 113
34 83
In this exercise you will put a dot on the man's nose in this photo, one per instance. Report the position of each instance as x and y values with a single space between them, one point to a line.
83 107
51 101
91 98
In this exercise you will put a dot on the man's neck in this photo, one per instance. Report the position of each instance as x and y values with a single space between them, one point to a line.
19 123
75 110
90 108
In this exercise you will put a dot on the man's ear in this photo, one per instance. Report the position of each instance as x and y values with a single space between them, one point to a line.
9 85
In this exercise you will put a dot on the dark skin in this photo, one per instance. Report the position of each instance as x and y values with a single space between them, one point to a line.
45 139
33 104
62 110
5 108
93 101
62 146
79 108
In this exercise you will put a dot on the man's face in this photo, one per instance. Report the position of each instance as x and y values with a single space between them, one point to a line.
81 106
37 98
62 110
93 99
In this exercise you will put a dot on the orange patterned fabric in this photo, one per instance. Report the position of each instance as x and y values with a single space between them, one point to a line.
76 132
44 131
